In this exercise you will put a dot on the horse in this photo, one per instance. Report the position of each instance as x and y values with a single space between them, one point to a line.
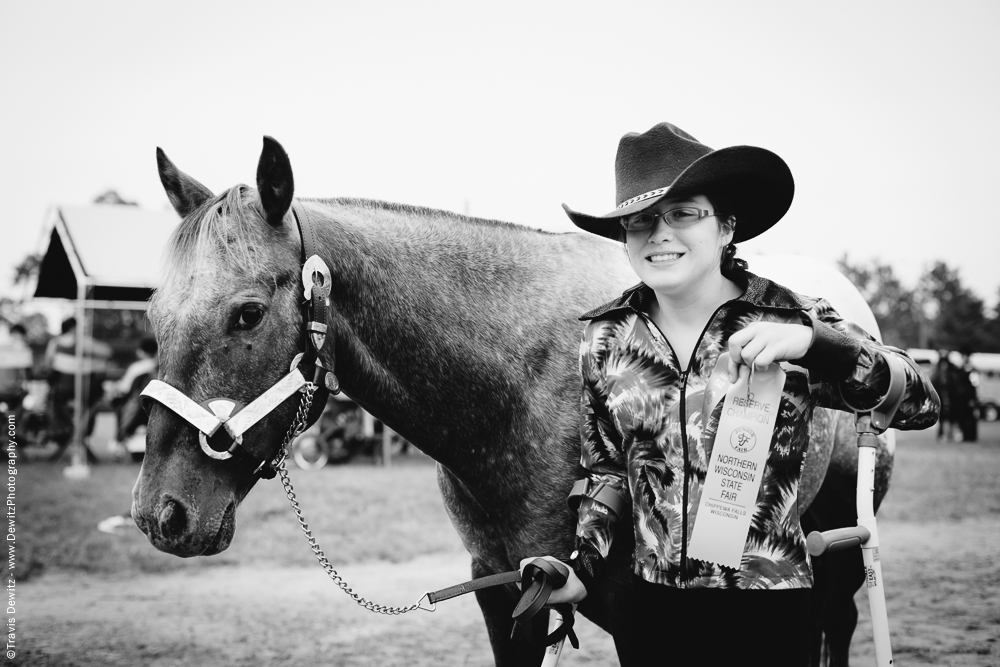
460 334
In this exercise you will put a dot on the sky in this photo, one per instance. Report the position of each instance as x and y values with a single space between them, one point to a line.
886 112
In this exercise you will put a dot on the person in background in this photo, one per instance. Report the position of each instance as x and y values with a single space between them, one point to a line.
125 394
944 378
966 402
15 366
62 365
653 363
130 416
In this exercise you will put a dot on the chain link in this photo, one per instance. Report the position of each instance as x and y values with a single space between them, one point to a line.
298 425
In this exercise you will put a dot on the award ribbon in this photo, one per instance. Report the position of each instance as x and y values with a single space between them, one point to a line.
739 456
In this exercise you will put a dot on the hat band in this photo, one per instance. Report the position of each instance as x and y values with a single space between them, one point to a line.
643 196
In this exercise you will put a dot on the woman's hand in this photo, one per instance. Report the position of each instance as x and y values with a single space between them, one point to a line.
572 591
762 343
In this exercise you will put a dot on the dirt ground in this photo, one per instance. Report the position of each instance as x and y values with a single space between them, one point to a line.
941 567
943 598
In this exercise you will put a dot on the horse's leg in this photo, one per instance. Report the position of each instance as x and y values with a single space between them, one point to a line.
497 606
489 556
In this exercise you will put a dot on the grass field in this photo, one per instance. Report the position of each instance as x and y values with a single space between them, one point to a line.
367 512
90 598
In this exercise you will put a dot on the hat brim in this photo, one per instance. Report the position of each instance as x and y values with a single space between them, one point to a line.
756 181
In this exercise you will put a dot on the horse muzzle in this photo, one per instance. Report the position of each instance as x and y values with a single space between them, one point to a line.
178 529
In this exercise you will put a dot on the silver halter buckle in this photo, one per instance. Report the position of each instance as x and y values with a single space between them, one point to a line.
223 409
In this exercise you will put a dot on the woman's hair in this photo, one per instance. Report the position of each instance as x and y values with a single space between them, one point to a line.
732 267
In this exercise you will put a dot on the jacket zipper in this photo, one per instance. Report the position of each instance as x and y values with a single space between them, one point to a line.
684 489
684 443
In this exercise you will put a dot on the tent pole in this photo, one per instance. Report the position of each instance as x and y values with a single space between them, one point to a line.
78 458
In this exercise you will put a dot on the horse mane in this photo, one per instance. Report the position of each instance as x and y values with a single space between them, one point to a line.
465 252
428 213
225 228
228 229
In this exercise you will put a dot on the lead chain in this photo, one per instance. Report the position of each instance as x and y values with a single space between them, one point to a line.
298 425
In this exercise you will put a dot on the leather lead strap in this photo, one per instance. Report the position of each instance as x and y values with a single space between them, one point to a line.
539 579
476 584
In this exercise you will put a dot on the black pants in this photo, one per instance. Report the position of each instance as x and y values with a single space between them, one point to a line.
702 627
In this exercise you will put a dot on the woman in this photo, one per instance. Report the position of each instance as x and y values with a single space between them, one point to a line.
649 427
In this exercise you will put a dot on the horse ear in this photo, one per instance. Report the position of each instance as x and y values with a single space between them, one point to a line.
185 193
274 181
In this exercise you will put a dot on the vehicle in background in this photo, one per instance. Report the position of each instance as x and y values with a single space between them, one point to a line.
985 376
345 430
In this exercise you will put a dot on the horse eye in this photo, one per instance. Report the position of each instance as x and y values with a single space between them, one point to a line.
250 316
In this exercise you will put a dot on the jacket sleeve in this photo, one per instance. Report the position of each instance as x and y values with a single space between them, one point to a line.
601 455
848 364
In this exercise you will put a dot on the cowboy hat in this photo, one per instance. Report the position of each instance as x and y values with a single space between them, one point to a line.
666 161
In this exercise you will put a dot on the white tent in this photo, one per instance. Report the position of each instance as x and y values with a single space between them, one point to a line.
101 256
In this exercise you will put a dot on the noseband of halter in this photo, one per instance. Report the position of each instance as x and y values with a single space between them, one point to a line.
226 413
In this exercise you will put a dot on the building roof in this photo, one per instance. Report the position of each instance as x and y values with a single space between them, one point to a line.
115 250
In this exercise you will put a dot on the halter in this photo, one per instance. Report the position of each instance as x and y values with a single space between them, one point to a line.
234 418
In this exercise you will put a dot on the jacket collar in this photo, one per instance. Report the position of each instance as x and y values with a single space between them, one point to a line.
757 291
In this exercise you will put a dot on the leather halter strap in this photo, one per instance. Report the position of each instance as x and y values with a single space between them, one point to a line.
235 425
316 283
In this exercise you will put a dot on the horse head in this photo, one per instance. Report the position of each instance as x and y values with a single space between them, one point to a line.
227 318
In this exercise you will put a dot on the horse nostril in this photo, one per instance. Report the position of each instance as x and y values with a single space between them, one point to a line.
172 519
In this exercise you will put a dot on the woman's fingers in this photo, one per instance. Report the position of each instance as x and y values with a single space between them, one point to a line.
736 343
763 343
738 340
744 348
752 350
737 371
572 591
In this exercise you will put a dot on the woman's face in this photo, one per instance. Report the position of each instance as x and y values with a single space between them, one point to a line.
675 260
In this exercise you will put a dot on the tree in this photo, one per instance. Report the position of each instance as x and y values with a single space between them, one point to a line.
993 329
112 197
897 310
28 268
36 325
959 318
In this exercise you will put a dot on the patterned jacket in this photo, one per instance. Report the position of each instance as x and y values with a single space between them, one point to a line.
644 430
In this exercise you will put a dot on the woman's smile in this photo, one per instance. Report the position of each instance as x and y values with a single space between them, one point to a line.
664 257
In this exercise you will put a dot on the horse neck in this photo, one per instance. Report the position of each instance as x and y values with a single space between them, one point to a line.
447 328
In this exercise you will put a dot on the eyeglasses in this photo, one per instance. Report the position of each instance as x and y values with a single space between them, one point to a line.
678 218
